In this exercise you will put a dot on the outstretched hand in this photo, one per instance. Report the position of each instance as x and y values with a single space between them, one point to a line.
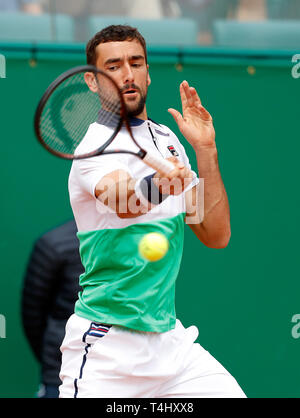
195 123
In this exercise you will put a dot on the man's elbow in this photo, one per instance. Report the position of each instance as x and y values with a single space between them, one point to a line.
127 215
219 242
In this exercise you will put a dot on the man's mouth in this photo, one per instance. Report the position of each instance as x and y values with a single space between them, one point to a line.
130 92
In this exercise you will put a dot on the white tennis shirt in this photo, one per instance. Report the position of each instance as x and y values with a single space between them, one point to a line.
119 286
89 212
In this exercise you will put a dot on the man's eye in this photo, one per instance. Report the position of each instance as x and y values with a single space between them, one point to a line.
136 65
113 68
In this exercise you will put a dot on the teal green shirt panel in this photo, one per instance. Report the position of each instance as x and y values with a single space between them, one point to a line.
120 287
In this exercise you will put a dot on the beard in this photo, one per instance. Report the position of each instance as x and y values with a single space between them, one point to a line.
137 109
134 110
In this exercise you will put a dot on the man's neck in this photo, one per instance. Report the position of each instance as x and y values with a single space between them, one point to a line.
143 115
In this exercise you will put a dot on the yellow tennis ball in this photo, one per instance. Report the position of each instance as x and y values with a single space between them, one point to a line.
153 246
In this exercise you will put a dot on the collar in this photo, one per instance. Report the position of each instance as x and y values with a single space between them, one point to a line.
138 122
112 119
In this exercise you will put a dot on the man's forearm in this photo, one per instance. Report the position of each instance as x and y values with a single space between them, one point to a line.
131 198
117 191
216 222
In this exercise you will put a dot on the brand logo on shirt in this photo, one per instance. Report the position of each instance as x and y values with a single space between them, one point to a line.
173 151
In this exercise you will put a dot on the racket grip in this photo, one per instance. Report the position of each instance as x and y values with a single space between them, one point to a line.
159 164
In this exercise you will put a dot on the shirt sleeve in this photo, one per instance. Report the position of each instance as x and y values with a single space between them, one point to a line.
90 171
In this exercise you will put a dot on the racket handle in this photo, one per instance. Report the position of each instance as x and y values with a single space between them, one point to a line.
159 164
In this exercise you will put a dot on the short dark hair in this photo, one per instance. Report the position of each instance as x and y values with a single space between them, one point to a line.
110 34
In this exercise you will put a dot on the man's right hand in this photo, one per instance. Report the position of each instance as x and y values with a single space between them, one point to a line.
175 182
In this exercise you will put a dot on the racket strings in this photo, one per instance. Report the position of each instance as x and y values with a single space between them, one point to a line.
73 107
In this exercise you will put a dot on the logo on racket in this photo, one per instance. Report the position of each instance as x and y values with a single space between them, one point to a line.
2 66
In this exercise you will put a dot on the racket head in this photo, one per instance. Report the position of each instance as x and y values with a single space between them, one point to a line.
69 106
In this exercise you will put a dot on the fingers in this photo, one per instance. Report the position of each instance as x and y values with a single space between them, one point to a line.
189 95
186 95
176 115
204 114
176 181
196 98
178 167
190 98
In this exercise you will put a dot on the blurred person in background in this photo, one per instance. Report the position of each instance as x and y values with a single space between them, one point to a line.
254 10
138 8
205 12
283 9
49 293
155 9
89 7
81 10
26 6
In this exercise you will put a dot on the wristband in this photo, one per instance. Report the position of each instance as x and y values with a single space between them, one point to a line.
147 191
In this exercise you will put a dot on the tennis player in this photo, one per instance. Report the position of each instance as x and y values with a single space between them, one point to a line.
124 339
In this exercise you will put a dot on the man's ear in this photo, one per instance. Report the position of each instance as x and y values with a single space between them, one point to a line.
90 80
148 76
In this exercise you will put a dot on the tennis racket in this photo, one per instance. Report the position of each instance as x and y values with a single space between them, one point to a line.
69 106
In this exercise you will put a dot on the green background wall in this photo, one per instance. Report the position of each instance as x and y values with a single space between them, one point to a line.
242 298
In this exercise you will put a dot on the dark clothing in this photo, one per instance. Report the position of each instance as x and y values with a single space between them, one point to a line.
48 392
51 286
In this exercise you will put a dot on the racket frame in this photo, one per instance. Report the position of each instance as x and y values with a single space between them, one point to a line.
148 158
48 93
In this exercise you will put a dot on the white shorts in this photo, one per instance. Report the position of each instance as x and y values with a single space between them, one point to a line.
113 362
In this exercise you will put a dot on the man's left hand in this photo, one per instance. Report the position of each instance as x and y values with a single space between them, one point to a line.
195 123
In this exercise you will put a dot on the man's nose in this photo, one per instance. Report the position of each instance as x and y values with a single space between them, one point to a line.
128 74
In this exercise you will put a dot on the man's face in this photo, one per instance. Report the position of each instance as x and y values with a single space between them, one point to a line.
125 63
